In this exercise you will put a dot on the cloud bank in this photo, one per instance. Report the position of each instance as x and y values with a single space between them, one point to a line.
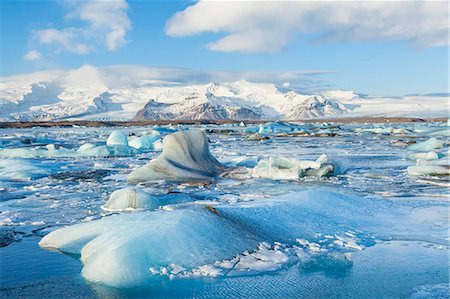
269 26
101 24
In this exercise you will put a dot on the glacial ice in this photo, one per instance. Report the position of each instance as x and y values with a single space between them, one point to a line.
234 239
280 168
23 170
424 156
428 145
135 199
150 142
278 127
430 167
130 199
117 138
185 157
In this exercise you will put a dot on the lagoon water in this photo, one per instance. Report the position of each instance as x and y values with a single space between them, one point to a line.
46 185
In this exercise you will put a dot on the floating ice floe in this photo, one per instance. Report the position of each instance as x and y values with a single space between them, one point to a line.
430 167
280 168
385 130
424 156
278 127
134 199
428 145
128 249
185 157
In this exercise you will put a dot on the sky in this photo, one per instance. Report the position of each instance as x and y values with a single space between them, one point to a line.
370 47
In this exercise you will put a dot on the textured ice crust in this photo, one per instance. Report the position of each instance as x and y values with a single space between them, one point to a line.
280 168
185 157
431 158
134 199
236 239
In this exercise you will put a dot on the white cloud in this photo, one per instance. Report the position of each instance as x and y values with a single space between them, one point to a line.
268 26
106 24
32 55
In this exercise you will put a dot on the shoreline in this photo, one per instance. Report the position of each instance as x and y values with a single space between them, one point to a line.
94 123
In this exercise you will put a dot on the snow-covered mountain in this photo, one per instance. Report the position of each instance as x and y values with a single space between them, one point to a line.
142 93
237 100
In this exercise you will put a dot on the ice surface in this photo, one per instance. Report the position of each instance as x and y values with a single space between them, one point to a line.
117 138
185 157
20 169
278 127
130 199
146 142
424 156
126 250
428 145
280 168
119 250
135 199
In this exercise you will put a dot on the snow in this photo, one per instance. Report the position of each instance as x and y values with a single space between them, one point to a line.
185 157
120 92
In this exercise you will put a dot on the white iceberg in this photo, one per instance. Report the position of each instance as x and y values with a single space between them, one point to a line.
424 156
117 138
278 127
185 157
281 168
135 199
150 142
428 145
119 250
430 167
130 199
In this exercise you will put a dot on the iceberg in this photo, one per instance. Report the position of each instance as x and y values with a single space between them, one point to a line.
430 167
281 168
135 199
185 157
428 145
424 156
117 138
129 249
278 127
130 199
106 151
150 142
119 250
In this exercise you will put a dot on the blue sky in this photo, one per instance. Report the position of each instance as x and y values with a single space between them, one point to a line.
349 53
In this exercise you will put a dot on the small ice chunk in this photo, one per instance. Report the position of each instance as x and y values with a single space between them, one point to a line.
428 145
424 156
130 199
144 142
280 168
117 138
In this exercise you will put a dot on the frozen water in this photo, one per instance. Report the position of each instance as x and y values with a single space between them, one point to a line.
119 250
185 157
330 255
146 142
291 169
117 138
428 145
130 199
